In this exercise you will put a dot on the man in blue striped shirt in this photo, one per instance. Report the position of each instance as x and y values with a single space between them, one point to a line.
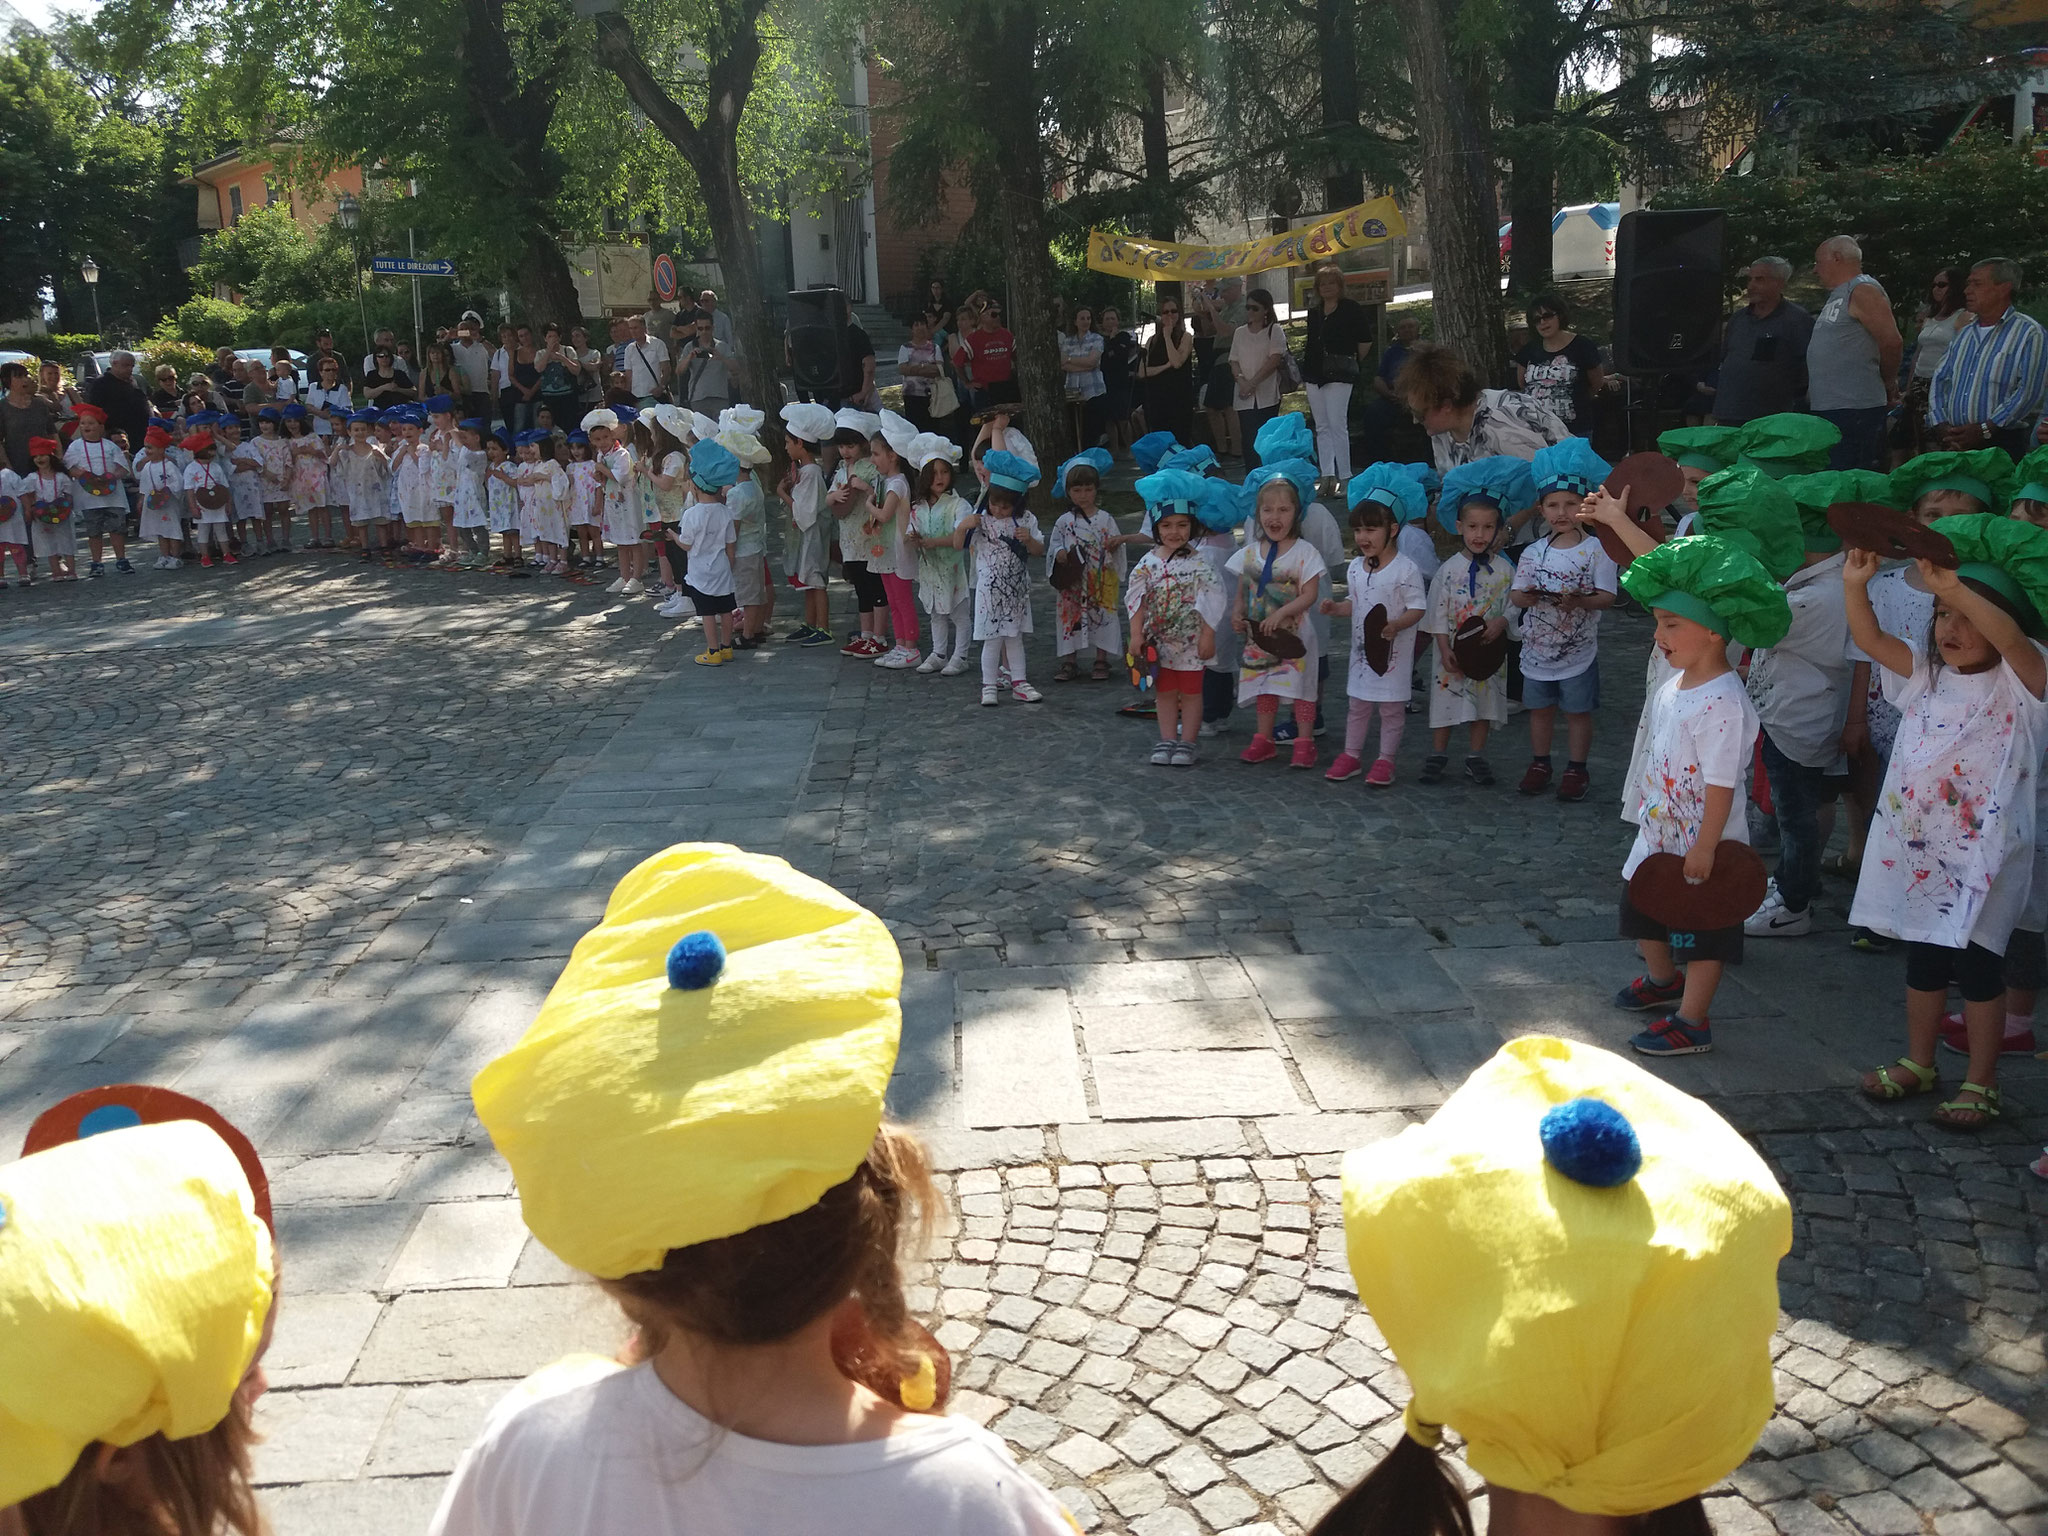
1990 385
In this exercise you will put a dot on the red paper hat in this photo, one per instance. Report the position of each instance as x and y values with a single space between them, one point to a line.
121 1105
156 437
89 411
198 442
41 445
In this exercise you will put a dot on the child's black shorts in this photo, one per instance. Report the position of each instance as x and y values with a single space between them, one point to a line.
1707 944
708 606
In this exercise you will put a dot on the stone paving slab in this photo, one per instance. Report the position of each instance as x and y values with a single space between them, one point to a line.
1143 1013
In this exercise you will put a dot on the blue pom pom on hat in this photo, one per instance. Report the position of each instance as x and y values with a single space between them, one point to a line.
695 961
1590 1142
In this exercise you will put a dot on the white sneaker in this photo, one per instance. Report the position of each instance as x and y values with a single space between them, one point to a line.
989 696
1772 921
177 563
954 667
632 589
1024 693
677 607
616 587
931 663
898 659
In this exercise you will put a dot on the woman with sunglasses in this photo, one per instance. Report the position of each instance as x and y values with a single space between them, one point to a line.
1167 370
1559 368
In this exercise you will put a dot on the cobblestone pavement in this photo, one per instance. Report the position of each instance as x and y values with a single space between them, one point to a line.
311 840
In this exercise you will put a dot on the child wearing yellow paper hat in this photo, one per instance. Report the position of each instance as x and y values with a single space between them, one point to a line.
1575 1265
695 1119
1704 592
135 1302
1950 866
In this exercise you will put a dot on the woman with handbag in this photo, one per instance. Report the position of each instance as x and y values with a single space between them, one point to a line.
1339 334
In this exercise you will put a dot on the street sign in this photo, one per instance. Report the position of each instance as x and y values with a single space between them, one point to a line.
665 277
408 266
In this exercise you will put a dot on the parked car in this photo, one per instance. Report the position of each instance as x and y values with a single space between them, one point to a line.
27 359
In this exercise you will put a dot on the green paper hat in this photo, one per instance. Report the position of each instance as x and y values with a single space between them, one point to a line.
2033 476
1712 581
1710 448
1985 473
1791 443
1814 494
2006 555
1747 505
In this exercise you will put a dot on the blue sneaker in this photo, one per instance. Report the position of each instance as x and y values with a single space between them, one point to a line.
1673 1036
1643 994
1286 730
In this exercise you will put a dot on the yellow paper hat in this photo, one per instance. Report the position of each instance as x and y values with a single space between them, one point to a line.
1599 1336
135 1277
713 1059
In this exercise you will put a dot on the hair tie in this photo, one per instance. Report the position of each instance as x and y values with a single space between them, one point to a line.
1425 1434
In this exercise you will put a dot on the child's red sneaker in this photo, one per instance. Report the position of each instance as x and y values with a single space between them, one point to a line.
1304 753
1535 779
1261 750
1346 767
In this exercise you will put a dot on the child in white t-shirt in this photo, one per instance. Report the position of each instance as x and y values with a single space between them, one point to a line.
274 454
1379 578
14 534
586 503
209 497
945 583
1280 577
244 464
49 496
709 535
1471 584
161 484
1561 584
807 428
98 466
501 502
1087 536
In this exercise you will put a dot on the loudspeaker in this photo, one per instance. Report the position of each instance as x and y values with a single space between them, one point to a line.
1667 289
818 318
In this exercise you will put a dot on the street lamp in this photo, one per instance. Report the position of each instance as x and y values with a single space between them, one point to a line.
90 271
349 213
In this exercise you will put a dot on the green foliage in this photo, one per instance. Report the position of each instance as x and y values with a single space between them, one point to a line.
187 357
66 345
84 172
205 322
268 258
1911 214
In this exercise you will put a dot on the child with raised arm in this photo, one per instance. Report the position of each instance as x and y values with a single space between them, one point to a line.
1703 592
1381 577
1561 585
1949 867
1475 501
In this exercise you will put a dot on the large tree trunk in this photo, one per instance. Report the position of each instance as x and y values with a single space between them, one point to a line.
1337 47
1457 189
1013 102
519 119
711 149
1162 214
1532 165
542 283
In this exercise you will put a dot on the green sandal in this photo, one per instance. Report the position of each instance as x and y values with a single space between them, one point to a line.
1981 1113
1889 1091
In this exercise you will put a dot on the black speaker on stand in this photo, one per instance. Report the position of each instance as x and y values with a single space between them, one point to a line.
1668 294
817 323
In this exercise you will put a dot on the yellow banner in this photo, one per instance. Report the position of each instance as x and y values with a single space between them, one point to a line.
1168 261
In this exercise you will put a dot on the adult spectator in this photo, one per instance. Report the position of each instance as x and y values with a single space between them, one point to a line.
645 363
438 374
917 364
1763 350
1119 377
525 378
501 374
1257 349
1081 362
1559 368
127 407
706 369
987 355
1219 313
1990 385
1852 357
323 347
561 376
386 340
721 322
1167 371
328 400
1339 332
938 309
164 399
24 414
589 369
1942 317
860 368
1465 422
255 388
222 368
63 397
473 364
385 385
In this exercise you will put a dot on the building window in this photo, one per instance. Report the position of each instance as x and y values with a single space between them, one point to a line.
234 205
270 192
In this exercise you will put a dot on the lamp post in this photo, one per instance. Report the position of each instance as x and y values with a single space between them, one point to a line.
90 271
349 213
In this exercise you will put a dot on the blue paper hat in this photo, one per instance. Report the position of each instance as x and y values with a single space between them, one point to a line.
1393 488
1194 460
1151 450
369 416
471 424
1571 465
502 435
713 465
437 405
1010 472
1098 459
1426 476
1503 483
1211 503
532 435
1287 436
625 413
577 436
270 413
1299 473
294 411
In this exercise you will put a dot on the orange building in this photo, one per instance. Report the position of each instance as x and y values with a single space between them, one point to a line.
232 185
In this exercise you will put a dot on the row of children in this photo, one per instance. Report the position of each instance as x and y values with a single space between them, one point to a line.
1572 1264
